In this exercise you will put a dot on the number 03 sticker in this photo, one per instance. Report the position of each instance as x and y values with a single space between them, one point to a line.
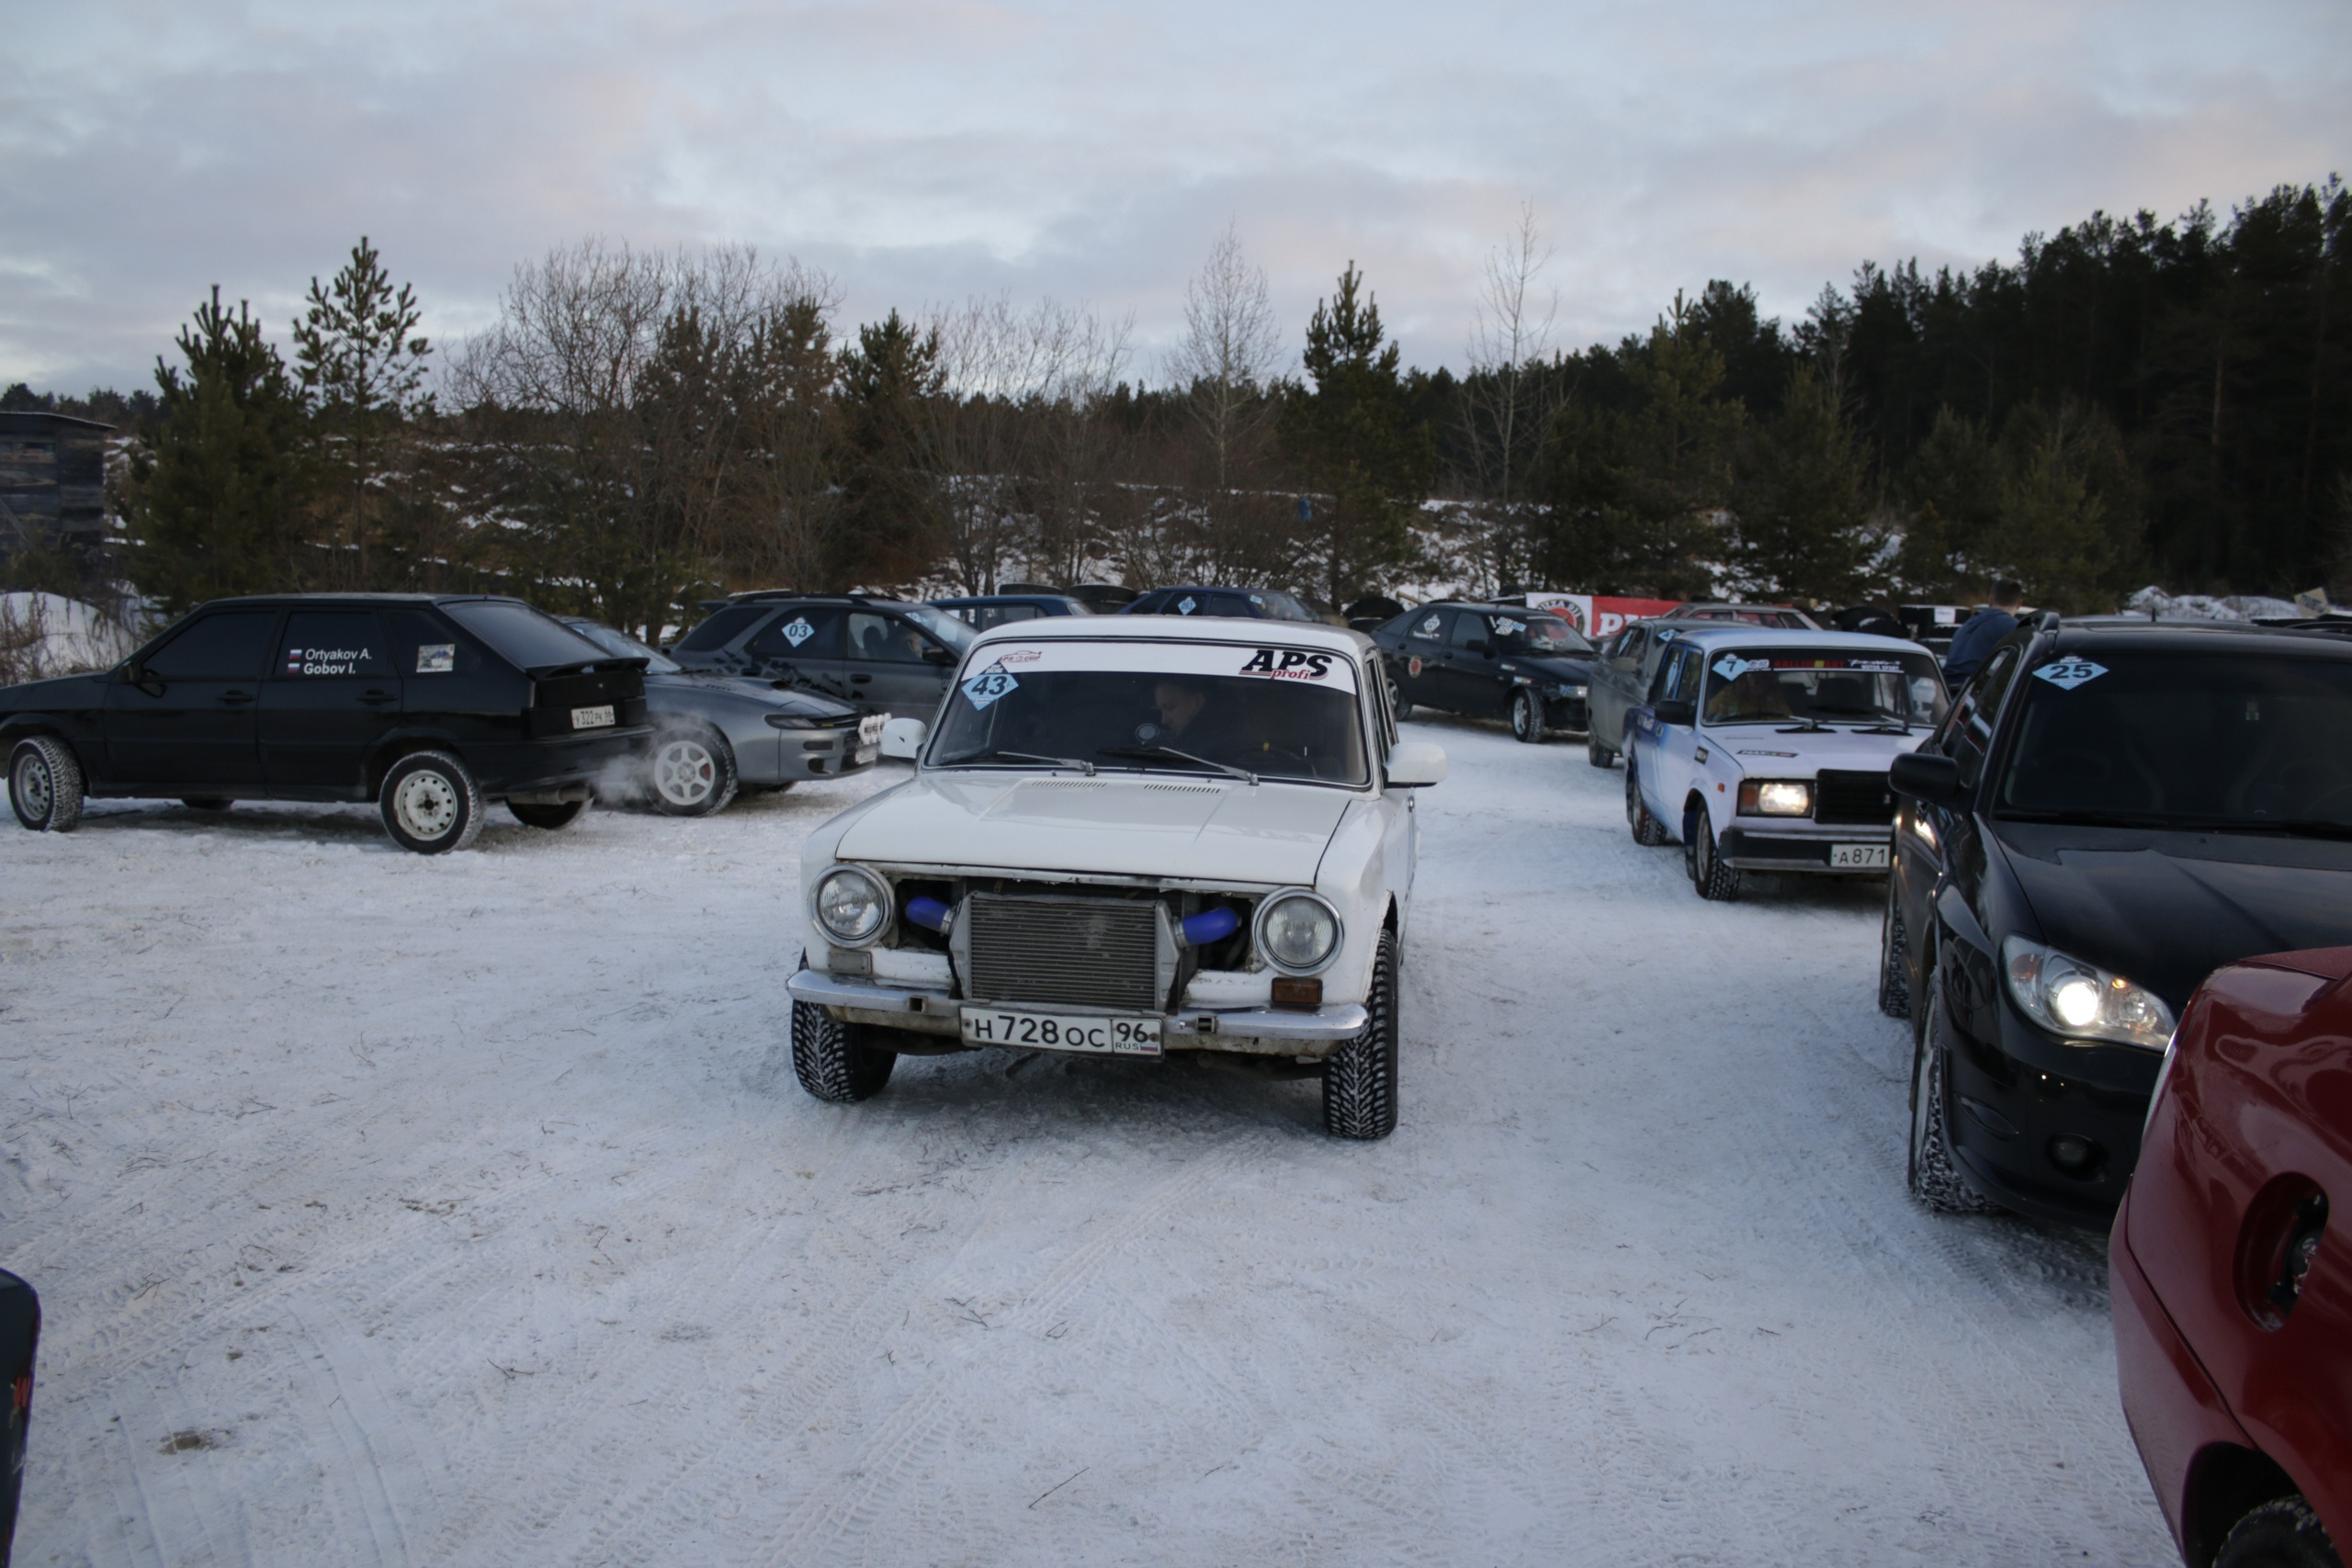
2069 673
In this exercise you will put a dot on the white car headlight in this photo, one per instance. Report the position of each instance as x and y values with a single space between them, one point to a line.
2069 997
1298 932
852 906
1775 797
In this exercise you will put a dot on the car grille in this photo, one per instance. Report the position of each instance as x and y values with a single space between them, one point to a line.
1078 952
1856 798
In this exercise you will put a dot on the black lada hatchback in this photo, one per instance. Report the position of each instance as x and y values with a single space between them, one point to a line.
430 706
2110 812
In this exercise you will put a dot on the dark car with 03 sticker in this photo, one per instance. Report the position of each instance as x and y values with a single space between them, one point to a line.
428 704
2110 811
1482 661
856 647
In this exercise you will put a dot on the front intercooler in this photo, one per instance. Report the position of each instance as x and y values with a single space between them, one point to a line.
1051 950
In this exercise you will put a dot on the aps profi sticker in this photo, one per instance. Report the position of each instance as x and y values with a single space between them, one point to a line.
1289 664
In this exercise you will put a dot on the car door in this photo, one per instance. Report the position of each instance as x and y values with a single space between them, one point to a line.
891 664
1664 764
803 645
1419 668
1619 679
1940 841
184 722
333 693
1468 681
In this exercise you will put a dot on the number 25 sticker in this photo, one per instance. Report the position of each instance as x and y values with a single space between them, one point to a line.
2069 673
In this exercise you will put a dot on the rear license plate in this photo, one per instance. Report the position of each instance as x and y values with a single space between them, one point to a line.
1061 1032
591 718
1858 857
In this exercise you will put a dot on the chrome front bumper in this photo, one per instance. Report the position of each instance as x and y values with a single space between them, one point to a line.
1273 1032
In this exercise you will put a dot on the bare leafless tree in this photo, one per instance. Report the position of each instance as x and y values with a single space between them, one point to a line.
1509 397
1230 354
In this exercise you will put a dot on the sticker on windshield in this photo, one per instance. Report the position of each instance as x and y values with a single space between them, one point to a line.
1507 627
436 658
1427 627
1186 605
990 684
799 631
1289 664
2068 673
1731 666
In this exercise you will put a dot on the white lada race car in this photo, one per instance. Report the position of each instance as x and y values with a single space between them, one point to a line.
1767 750
1128 838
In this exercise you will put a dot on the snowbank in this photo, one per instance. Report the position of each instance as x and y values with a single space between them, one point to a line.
2165 606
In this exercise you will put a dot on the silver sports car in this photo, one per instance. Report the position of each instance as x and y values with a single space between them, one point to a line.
714 735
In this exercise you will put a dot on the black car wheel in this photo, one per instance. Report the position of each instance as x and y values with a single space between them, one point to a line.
1894 951
2281 1533
1709 875
1934 1174
832 1060
1648 831
692 772
1398 703
430 802
1600 756
45 784
551 815
1526 718
1360 1077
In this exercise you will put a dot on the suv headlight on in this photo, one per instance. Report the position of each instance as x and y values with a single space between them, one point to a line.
2069 997
853 906
1775 797
1298 932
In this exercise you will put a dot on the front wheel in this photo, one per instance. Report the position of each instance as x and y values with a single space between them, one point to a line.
431 803
1893 952
693 773
1526 718
1934 1174
45 784
1400 704
1648 831
1360 1077
1709 875
2281 1533
832 1060
1600 756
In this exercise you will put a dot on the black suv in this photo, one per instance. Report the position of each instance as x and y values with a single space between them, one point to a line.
2110 812
1489 661
884 653
428 704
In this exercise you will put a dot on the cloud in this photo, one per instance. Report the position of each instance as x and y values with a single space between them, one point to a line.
925 150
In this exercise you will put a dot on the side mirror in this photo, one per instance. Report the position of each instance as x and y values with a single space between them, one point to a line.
934 654
1920 776
904 737
1675 710
1416 764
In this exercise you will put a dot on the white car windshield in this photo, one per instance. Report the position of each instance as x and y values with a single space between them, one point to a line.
1811 687
1268 711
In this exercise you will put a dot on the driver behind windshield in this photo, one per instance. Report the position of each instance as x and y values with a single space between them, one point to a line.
1759 693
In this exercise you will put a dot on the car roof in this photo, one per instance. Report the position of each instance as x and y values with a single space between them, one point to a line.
1164 628
315 600
1005 599
1711 634
2120 633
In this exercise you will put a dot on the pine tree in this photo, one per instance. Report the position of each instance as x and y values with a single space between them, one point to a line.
890 512
361 369
1803 499
1357 445
216 499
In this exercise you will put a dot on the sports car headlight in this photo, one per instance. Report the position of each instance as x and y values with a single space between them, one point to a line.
2069 997
852 906
1567 691
1774 797
1298 932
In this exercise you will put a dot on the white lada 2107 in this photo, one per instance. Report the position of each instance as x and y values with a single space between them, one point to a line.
1128 838
1767 750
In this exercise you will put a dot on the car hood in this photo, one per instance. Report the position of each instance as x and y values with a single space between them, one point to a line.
751 688
1762 751
1556 667
1150 826
2167 910
56 691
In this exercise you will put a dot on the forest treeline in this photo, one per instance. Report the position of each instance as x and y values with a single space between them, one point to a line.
2126 402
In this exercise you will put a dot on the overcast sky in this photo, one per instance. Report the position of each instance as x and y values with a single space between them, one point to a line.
923 151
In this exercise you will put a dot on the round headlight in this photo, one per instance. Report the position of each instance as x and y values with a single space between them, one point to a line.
1297 931
1784 799
852 906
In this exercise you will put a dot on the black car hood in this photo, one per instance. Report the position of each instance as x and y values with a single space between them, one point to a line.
2167 910
767 693
56 691
1559 667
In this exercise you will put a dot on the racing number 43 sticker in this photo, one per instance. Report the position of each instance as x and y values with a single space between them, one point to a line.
989 685
2068 673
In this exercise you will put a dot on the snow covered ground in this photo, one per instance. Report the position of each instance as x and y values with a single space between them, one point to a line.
465 1211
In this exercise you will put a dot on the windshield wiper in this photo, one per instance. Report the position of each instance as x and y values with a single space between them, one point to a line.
1809 727
1884 730
2300 827
1146 753
2089 819
998 754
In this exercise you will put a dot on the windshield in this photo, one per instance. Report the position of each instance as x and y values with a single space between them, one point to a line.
940 624
1540 634
521 635
620 645
2177 739
1821 686
1157 707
